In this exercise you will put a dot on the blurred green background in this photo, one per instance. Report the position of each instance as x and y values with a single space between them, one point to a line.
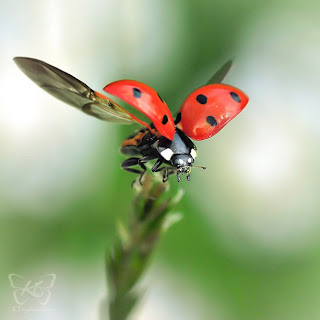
248 246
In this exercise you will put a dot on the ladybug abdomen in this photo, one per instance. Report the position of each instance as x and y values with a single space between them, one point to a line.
139 143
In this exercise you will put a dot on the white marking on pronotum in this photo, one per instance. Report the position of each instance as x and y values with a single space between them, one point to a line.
167 154
193 153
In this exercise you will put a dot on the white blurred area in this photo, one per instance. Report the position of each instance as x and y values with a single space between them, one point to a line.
68 293
81 295
48 147
263 183
167 295
45 144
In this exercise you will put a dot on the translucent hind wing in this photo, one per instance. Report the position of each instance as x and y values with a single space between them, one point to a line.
72 91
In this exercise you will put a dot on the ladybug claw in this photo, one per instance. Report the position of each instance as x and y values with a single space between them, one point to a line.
140 179
178 177
188 177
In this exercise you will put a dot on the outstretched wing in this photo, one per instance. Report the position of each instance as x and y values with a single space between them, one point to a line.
221 73
67 88
208 109
147 101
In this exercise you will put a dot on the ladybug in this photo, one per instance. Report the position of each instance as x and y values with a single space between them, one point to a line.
203 114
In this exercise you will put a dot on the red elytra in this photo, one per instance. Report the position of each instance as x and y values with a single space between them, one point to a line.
146 100
208 109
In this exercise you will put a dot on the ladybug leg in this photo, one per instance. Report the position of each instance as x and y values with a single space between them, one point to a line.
141 162
157 164
165 174
167 171
147 158
136 161
131 162
160 169
164 169
127 164
172 171
143 167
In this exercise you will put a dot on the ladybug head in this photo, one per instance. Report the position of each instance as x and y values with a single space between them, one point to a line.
181 161
183 164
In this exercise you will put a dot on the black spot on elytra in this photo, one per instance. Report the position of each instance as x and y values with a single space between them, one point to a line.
165 119
211 120
160 97
136 92
178 118
235 97
201 98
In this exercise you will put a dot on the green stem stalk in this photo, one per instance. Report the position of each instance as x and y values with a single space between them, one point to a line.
129 256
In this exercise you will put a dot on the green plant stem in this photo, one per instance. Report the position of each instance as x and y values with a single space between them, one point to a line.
128 257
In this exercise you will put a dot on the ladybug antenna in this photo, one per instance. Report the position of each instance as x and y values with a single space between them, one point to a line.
204 168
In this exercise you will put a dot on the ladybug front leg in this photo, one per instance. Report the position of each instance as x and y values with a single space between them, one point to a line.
167 171
164 169
157 164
